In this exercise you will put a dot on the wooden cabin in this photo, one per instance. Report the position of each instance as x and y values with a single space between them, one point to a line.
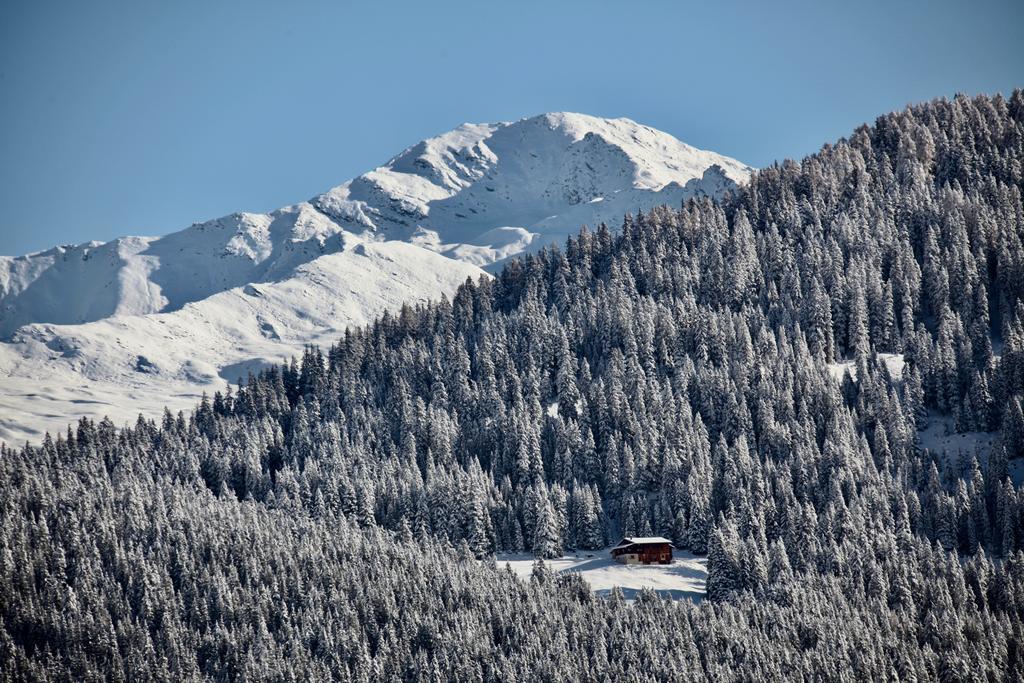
643 550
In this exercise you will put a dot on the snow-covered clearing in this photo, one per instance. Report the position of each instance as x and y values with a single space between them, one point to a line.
684 578
942 439
940 435
893 363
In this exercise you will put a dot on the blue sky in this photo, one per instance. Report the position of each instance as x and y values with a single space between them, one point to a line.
143 117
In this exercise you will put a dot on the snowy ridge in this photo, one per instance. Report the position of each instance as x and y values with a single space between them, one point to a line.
139 322
140 275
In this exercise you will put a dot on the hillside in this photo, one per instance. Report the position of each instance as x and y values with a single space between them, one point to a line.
721 374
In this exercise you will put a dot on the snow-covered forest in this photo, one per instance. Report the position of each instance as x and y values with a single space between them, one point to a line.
338 517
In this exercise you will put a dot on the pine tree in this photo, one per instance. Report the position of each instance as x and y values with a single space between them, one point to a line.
546 541
724 574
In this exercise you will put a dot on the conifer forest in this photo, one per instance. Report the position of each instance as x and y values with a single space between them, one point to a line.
748 377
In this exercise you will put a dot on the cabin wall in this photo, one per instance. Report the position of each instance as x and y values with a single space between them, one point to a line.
653 554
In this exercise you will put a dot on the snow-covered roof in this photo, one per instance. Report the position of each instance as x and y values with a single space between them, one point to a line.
642 540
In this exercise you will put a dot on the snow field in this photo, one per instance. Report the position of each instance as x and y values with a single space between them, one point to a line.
684 578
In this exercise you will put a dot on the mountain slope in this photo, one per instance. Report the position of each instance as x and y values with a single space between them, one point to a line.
127 364
132 324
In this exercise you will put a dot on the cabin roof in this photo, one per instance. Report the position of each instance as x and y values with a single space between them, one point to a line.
641 540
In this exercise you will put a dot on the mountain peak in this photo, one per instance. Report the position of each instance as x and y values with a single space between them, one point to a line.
546 175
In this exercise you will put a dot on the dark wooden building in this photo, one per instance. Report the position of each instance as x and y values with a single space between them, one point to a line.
646 550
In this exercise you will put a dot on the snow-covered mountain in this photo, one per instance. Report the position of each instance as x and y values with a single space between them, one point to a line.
139 322
484 192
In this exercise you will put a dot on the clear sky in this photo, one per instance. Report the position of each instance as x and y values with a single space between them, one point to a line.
142 117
